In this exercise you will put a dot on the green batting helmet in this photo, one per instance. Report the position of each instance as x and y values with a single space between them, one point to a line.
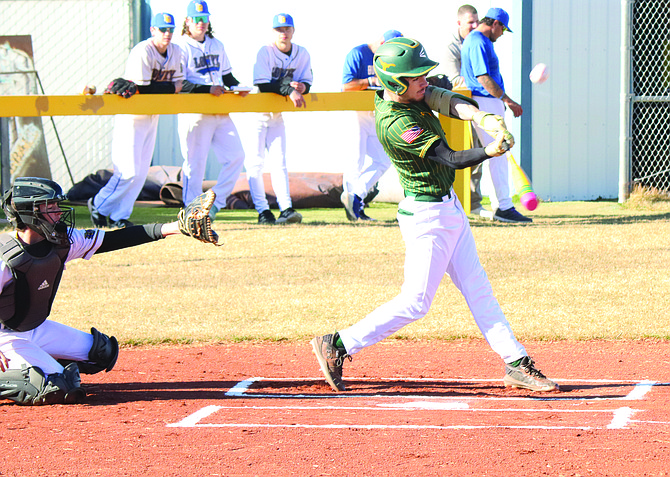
401 58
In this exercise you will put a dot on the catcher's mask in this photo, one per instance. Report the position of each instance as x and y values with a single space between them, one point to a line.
398 59
22 205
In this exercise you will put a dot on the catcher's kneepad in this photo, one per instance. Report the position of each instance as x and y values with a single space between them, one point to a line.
122 87
102 355
31 387
194 219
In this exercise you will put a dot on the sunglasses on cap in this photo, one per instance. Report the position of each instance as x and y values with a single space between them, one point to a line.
166 29
202 19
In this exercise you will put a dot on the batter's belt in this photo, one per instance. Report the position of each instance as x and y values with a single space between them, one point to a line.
427 197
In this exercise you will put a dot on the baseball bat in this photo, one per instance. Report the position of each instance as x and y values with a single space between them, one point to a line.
522 184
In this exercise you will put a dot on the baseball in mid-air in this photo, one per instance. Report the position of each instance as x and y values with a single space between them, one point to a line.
539 73
89 89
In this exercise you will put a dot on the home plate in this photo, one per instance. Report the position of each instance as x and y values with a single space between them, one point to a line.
431 405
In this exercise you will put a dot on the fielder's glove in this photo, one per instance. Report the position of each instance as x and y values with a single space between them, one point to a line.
194 219
285 87
494 125
441 81
122 87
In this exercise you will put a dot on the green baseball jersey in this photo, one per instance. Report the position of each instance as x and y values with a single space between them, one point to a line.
406 132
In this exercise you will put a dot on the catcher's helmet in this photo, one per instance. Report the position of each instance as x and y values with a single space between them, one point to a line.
22 203
401 58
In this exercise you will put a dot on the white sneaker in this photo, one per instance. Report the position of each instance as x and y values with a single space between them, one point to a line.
482 212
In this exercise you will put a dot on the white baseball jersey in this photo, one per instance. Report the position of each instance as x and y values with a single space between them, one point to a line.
134 136
204 63
84 245
145 64
61 341
272 65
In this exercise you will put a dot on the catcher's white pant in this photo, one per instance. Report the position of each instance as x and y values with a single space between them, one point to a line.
133 143
45 344
371 163
198 134
497 165
271 134
438 240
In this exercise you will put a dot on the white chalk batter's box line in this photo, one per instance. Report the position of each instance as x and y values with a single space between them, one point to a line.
639 390
621 417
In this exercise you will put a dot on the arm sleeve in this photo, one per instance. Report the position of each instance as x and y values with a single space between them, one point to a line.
188 87
441 153
130 237
269 88
158 87
229 80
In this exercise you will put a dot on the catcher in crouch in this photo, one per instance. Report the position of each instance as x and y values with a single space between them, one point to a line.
41 360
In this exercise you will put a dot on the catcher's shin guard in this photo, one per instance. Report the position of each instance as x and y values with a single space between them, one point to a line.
102 356
29 386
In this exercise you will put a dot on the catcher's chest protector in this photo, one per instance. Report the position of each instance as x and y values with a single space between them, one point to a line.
25 302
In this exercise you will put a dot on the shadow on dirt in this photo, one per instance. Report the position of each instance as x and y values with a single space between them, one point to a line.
116 393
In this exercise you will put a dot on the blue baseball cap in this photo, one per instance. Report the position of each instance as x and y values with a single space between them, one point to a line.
282 20
197 8
162 20
500 15
391 34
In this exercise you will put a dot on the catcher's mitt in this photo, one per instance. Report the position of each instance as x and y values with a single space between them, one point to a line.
194 219
122 87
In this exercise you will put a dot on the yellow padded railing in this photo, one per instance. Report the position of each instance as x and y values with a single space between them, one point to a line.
457 132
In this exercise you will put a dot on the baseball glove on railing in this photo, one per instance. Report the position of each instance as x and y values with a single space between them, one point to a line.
122 87
194 219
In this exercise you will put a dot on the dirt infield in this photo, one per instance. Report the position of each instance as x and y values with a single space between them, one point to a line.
412 408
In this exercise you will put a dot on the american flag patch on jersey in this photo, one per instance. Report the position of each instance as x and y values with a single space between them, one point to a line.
411 134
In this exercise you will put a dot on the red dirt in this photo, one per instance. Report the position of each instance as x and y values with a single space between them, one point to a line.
456 418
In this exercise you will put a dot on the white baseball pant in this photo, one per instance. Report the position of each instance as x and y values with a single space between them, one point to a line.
133 143
198 134
497 165
45 344
438 240
271 134
371 163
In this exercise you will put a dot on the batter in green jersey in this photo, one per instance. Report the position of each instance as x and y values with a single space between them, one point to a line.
436 231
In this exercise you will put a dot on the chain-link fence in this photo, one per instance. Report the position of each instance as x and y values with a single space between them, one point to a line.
75 43
650 107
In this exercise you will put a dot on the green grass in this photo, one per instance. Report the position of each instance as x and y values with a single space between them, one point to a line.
581 271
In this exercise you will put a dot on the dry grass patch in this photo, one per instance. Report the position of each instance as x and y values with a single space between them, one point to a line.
580 271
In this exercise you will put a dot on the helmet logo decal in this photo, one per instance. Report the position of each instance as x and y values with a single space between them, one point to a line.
386 66
422 53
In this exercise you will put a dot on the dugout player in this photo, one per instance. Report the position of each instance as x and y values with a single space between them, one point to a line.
372 162
282 68
153 66
435 229
480 69
207 70
41 360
